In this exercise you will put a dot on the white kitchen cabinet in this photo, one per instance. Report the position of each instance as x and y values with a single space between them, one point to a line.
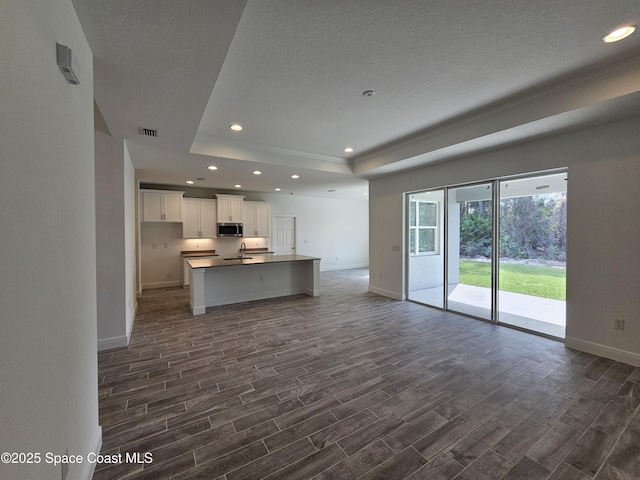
230 208
199 218
257 219
161 206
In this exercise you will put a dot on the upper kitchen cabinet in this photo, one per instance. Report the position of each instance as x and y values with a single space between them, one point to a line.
199 218
161 206
257 219
230 208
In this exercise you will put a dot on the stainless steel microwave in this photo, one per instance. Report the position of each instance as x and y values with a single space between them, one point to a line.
229 230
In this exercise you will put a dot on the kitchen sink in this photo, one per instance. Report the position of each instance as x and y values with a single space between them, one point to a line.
238 258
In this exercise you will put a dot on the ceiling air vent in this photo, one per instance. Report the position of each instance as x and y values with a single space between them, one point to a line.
147 132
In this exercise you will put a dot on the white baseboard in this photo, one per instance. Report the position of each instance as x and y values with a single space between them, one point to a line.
121 341
133 321
172 283
312 293
343 267
87 468
386 293
612 353
113 342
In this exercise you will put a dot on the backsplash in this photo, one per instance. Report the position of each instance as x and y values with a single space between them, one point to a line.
223 246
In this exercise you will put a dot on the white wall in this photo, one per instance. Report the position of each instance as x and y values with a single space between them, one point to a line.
115 241
335 230
48 353
130 221
603 271
160 247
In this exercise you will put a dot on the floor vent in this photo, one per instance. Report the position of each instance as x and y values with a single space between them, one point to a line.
148 132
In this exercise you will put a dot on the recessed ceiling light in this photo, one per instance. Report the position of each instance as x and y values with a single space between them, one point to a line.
295 176
235 127
257 172
368 93
619 34
348 150
212 167
278 189
238 186
331 190
190 182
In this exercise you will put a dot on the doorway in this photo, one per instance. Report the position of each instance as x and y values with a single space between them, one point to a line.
499 247
284 234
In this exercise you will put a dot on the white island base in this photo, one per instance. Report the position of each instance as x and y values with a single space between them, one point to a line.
219 282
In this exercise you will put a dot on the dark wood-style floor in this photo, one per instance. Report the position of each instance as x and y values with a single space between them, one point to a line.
353 385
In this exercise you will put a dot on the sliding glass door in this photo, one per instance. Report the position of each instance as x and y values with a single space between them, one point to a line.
425 243
533 250
470 250
499 247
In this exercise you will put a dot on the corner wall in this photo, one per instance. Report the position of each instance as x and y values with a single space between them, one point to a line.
48 353
115 240
603 267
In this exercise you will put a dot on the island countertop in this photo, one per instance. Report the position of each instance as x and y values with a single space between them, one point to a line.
196 263
271 276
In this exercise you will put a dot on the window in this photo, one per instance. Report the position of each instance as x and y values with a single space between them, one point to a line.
423 226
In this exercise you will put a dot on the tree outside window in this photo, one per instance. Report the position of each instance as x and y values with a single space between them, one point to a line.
423 226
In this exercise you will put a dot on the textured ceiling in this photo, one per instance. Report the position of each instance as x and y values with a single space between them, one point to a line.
450 78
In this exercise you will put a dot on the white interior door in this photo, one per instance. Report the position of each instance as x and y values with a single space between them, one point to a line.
284 232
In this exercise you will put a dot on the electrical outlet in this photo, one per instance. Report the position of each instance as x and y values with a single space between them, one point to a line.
618 323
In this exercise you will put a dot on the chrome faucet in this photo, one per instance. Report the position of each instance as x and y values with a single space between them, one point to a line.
243 247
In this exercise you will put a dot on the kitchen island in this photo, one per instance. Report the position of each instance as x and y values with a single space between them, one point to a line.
220 281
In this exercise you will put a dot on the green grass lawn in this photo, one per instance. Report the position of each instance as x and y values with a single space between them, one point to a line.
540 281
